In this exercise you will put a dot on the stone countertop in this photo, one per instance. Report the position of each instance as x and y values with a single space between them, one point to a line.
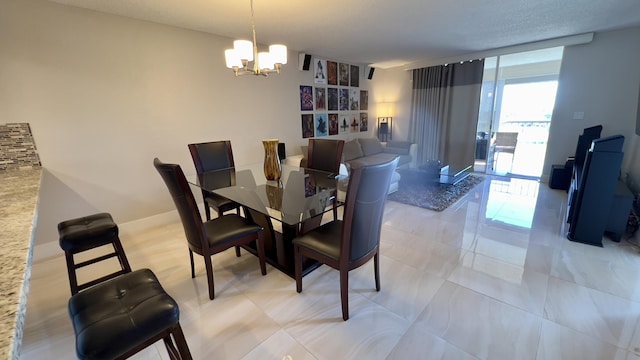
18 213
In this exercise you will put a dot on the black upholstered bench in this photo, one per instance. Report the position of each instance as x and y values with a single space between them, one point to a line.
123 315
86 233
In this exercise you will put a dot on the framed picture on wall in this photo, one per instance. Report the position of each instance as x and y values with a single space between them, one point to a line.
307 126
322 127
355 76
364 122
319 71
364 100
321 98
343 120
343 74
355 122
344 99
332 72
354 99
306 98
333 124
332 99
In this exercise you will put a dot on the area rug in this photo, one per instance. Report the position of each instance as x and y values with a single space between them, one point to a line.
432 195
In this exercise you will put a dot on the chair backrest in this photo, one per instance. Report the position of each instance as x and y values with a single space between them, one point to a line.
506 138
185 203
325 155
364 207
215 155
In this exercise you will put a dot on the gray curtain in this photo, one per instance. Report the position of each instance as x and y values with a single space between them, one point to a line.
444 112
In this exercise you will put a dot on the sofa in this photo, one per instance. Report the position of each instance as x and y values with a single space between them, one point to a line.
369 151
372 151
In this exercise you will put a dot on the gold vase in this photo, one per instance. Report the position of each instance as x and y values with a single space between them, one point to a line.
271 160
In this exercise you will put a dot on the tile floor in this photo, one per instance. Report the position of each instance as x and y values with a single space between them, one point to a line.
491 277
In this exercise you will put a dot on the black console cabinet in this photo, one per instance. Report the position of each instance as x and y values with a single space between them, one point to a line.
592 193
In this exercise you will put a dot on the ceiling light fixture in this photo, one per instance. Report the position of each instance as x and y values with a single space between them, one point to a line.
245 51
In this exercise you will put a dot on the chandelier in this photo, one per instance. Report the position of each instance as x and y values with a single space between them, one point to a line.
245 51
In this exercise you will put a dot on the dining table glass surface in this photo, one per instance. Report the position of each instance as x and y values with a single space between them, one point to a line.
300 193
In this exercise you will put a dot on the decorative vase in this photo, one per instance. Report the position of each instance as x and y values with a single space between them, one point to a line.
271 160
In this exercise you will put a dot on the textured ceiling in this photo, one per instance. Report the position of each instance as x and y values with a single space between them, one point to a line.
383 32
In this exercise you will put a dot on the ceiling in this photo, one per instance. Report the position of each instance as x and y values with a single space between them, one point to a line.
383 33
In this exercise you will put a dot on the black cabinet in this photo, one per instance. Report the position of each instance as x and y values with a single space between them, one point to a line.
597 200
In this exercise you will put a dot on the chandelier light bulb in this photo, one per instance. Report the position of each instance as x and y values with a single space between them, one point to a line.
278 53
245 51
244 48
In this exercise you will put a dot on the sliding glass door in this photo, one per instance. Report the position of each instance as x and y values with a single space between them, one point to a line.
518 94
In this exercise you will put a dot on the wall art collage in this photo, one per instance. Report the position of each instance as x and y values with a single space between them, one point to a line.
334 104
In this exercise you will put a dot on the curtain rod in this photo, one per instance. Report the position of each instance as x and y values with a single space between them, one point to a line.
563 41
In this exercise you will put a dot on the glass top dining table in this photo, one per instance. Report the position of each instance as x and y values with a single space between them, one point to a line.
284 208
300 193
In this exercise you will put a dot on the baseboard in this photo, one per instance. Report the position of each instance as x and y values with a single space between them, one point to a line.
140 225
52 248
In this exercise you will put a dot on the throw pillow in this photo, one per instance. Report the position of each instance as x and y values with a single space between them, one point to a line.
370 146
351 150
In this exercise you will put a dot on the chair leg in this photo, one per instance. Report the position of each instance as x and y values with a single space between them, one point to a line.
122 258
181 343
376 269
335 209
193 269
171 348
209 266
177 347
344 293
297 257
71 270
238 251
261 256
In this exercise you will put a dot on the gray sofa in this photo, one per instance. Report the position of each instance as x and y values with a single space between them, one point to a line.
369 151
372 151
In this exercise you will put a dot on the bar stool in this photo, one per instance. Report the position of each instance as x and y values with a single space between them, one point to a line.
124 315
86 233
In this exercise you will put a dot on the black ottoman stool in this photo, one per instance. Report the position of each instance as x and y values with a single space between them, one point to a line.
82 234
121 316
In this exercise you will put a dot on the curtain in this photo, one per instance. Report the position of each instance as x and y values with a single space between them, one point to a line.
444 112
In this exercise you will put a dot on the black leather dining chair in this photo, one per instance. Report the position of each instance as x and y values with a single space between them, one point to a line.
324 155
212 236
215 156
351 242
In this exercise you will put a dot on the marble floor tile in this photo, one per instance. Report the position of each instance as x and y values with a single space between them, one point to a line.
512 284
560 342
426 254
279 346
491 277
419 343
405 290
479 325
613 276
604 316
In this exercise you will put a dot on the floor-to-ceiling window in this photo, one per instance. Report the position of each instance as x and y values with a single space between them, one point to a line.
518 94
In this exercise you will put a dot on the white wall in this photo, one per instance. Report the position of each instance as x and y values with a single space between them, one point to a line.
601 79
105 95
394 86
